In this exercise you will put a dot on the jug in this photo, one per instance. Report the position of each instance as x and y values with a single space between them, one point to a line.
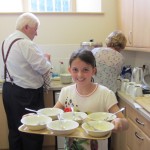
137 75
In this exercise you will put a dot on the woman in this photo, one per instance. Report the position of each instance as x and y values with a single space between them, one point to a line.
109 60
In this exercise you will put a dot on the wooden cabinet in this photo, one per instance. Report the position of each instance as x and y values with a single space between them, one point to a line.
137 137
49 141
134 22
138 120
3 127
118 140
125 16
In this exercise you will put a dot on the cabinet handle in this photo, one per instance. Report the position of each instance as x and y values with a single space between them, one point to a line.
130 37
139 122
139 137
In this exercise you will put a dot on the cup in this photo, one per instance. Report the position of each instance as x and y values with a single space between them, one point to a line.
124 84
130 88
138 92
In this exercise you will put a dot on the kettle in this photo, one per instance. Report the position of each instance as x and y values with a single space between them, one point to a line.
137 75
146 76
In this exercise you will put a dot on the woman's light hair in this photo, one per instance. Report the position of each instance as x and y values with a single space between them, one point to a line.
116 40
27 19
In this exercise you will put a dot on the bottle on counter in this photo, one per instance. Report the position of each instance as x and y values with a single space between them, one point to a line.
62 67
88 45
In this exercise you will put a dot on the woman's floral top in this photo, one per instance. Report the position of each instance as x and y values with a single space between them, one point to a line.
109 64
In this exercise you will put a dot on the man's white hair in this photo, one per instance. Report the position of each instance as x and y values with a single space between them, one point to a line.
27 19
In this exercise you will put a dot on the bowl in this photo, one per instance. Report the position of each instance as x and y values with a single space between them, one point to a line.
63 126
76 116
98 128
35 122
65 78
50 112
103 116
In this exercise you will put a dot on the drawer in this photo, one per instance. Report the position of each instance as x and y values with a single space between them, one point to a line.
136 139
139 120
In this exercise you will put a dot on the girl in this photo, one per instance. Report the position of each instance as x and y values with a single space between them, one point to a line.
87 96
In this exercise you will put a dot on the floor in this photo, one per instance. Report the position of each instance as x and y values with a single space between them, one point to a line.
49 148
44 148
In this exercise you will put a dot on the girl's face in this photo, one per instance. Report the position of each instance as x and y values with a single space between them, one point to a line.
81 72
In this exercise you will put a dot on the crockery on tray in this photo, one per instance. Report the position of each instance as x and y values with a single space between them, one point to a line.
102 116
50 112
63 126
97 128
35 122
76 116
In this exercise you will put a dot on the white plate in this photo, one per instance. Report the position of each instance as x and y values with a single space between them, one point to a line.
97 128
101 116
36 122
63 126
51 112
76 116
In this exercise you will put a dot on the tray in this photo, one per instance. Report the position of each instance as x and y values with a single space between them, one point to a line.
79 133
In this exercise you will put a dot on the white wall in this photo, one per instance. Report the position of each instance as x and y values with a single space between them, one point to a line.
68 28
137 59
59 52
62 52
142 58
60 34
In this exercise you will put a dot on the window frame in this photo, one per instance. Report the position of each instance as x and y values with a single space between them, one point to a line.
25 8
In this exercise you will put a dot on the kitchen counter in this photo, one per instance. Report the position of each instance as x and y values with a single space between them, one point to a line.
131 101
57 85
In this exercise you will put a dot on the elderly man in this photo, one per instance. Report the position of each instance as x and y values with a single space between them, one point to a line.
24 70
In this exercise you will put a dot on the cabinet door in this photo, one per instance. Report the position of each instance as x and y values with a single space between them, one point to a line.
136 139
3 127
134 22
141 23
138 120
125 16
49 141
119 139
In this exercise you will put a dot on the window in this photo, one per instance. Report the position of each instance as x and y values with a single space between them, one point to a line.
50 5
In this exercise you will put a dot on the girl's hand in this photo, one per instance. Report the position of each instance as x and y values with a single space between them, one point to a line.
120 124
